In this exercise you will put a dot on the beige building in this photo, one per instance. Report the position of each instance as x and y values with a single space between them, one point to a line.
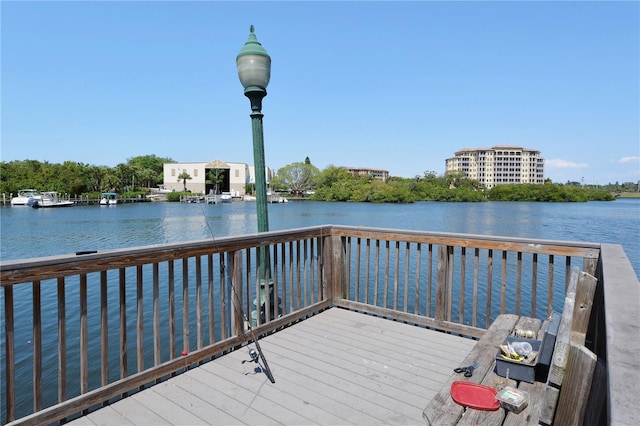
364 171
499 165
235 177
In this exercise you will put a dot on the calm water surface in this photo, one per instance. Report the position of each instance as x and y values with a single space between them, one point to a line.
27 232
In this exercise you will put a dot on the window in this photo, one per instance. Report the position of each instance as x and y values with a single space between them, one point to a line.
195 172
173 172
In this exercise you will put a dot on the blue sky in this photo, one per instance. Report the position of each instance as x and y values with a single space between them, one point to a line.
395 85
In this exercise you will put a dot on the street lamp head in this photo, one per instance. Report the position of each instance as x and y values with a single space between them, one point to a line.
254 65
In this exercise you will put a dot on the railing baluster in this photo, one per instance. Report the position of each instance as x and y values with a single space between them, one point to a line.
123 323
429 279
488 319
276 280
534 284
450 266
386 273
298 283
358 260
550 286
104 330
62 342
37 346
226 299
171 294
9 355
567 272
519 283
416 301
396 277
267 284
463 269
157 354
476 275
185 306
199 337
314 263
367 268
503 283
84 336
211 304
306 272
376 280
140 318
283 274
290 267
406 277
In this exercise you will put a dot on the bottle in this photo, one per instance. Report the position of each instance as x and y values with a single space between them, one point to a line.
522 348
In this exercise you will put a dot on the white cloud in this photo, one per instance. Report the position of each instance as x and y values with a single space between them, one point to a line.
562 164
629 159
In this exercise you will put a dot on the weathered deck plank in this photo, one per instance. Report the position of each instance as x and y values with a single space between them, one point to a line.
338 367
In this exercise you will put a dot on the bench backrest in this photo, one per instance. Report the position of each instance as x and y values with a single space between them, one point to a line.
572 365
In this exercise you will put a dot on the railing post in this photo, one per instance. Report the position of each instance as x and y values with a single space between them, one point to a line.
333 267
234 260
443 283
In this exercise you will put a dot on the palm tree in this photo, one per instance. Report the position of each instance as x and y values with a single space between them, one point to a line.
183 177
215 177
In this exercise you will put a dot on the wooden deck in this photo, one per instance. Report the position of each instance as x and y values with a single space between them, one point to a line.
337 367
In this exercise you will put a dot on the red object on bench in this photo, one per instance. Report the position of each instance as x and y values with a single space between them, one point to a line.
473 395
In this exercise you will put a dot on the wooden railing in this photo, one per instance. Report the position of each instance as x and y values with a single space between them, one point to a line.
103 325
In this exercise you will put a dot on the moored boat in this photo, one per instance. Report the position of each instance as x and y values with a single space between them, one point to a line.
49 199
24 195
108 199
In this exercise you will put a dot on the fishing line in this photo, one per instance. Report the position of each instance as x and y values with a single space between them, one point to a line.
238 305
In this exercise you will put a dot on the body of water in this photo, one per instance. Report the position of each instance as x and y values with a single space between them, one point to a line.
27 232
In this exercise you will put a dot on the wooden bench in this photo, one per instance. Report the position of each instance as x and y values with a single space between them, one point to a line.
562 399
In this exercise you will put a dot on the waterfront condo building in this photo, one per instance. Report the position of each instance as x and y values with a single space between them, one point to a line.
499 165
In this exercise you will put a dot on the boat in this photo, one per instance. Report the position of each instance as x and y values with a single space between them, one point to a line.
226 198
108 199
49 199
23 197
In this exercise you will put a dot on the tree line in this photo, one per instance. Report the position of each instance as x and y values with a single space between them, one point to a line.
338 184
133 177
138 174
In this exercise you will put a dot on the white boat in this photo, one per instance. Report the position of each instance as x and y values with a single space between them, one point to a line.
49 199
24 195
108 199
226 198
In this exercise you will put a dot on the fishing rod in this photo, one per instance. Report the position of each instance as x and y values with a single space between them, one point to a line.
238 305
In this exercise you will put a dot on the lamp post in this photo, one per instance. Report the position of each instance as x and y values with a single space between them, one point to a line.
254 70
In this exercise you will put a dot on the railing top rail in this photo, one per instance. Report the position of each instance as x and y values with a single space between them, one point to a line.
22 270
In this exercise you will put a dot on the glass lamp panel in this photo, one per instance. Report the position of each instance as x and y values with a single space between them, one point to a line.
254 70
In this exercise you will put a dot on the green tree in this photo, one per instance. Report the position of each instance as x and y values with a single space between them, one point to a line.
295 177
184 176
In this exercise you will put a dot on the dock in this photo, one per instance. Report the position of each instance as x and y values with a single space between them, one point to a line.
358 325
337 367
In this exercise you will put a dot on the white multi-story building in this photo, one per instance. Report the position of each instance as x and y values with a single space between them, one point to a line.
366 171
235 176
499 165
